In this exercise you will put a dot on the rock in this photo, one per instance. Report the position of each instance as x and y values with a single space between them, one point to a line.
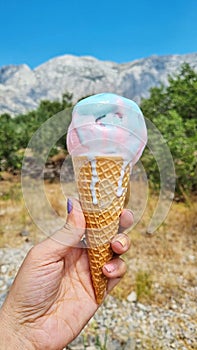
123 324
4 269
21 88
130 345
24 233
142 307
132 297
3 288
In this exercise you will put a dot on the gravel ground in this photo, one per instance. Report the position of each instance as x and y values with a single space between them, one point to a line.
125 324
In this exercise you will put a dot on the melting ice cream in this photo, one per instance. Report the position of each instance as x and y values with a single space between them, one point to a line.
107 125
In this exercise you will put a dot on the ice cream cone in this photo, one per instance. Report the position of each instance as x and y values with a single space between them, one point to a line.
107 134
102 185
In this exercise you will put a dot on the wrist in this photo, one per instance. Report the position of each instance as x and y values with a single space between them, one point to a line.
10 334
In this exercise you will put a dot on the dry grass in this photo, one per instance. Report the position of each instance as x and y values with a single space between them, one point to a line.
160 266
15 219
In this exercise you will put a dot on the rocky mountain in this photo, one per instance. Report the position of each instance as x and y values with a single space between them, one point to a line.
22 88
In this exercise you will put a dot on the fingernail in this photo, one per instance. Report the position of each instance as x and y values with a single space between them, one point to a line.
130 211
110 267
122 240
127 210
69 206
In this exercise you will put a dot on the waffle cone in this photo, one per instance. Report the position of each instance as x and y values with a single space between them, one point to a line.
102 205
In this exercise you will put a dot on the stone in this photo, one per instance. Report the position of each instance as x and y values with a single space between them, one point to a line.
24 233
130 345
4 269
22 88
127 325
142 307
132 297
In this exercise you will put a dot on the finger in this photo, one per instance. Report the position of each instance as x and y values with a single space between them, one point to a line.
115 268
113 283
70 235
115 275
126 220
120 243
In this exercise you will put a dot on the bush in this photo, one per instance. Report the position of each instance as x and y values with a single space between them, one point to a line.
16 132
174 112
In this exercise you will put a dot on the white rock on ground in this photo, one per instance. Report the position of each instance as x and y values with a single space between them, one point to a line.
125 324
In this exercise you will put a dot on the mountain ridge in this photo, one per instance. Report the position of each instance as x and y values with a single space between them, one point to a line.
22 88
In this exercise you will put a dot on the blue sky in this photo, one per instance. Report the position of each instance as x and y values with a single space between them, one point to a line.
32 32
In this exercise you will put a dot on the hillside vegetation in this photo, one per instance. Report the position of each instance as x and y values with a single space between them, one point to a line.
172 109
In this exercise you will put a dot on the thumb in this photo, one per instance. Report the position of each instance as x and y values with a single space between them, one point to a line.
57 245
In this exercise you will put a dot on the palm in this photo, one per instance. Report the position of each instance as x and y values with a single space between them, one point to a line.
70 298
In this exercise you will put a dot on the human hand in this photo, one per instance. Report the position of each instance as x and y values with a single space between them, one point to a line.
52 297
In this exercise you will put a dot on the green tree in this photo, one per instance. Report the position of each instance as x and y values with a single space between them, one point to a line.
9 143
174 112
17 131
